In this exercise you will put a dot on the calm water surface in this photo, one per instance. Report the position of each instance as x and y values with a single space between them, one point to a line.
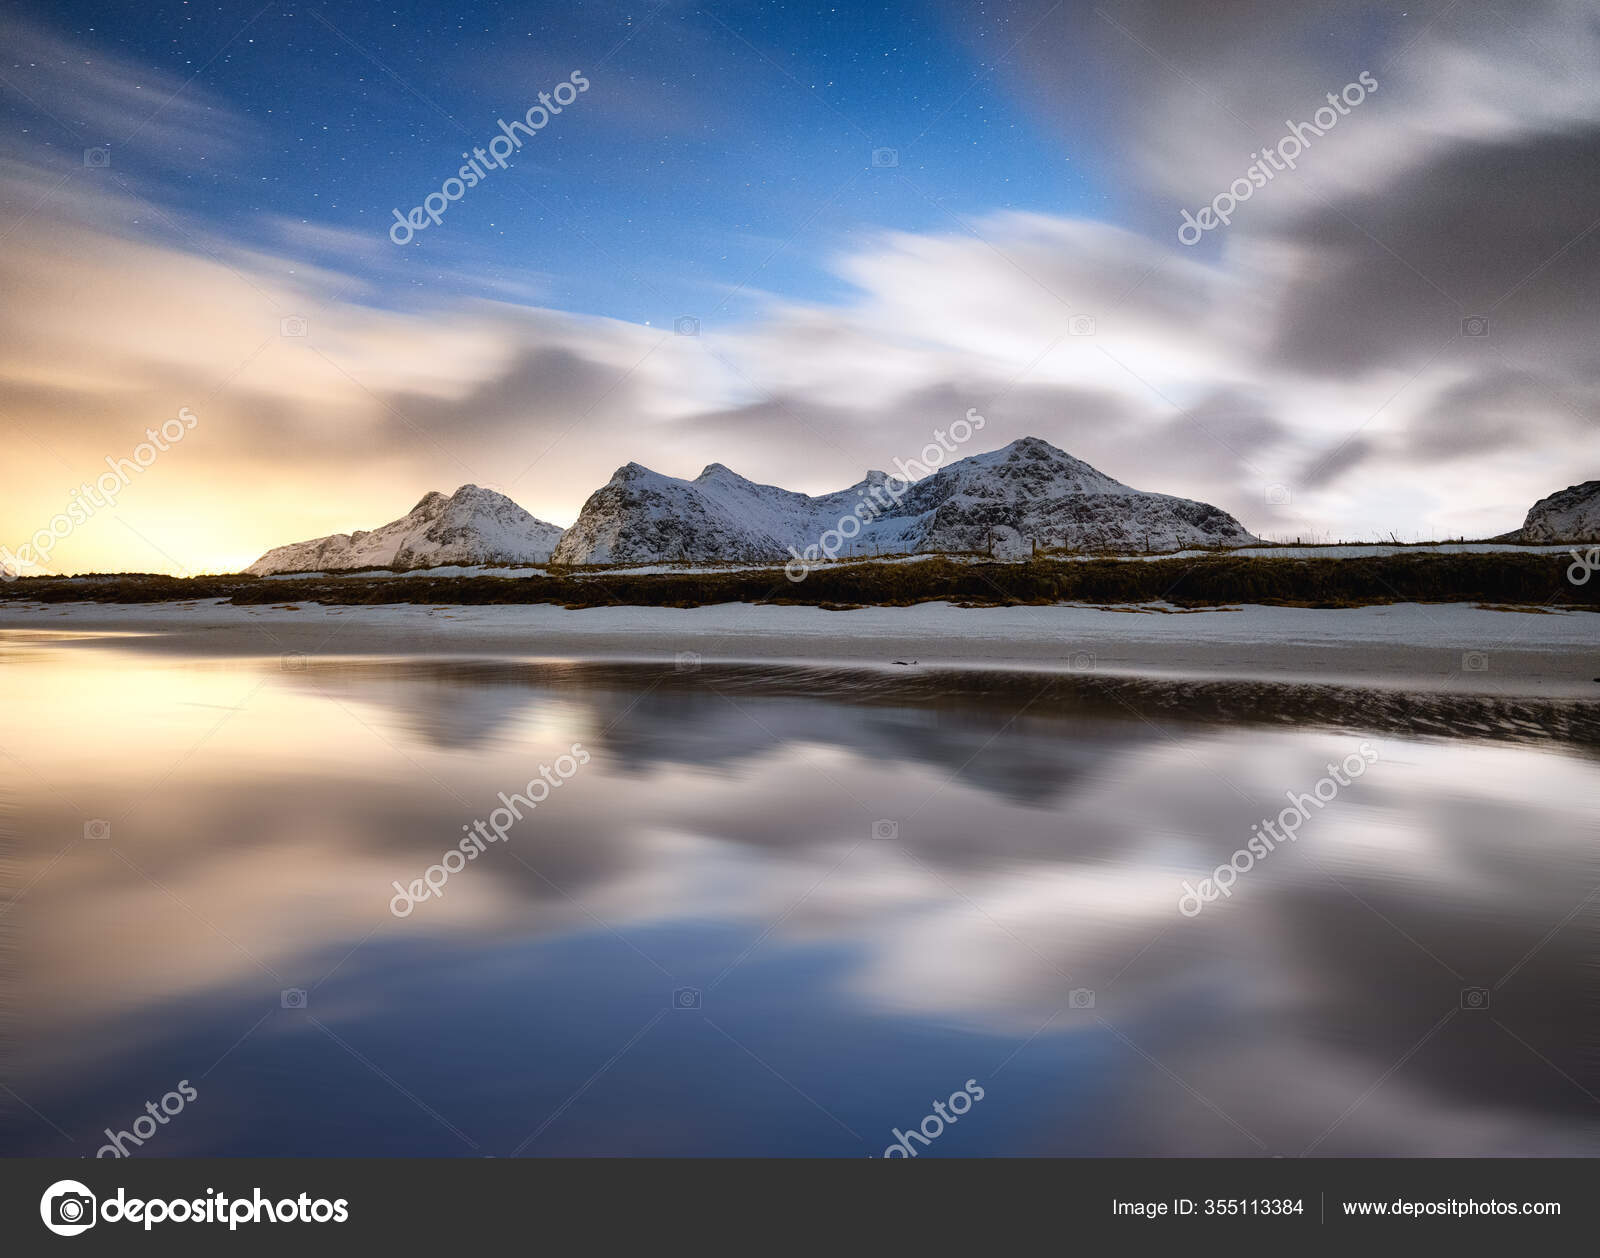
769 919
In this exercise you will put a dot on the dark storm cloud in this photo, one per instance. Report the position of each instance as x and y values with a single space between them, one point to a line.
1503 231
1327 467
1206 451
1169 96
1467 185
1172 94
1202 451
1504 411
855 439
541 391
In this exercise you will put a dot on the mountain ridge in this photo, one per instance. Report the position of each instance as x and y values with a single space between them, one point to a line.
1007 501
471 526
1568 515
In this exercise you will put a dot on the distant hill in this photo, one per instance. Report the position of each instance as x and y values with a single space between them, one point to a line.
1569 515
471 526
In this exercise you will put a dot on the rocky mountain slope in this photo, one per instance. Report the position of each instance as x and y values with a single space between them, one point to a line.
1569 515
471 526
1005 501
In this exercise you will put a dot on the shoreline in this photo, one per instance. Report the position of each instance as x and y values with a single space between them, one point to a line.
1440 648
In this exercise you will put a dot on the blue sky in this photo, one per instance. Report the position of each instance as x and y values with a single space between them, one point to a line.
718 148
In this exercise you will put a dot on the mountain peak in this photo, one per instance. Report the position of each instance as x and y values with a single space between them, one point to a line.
1033 446
1028 489
1568 515
472 526
477 497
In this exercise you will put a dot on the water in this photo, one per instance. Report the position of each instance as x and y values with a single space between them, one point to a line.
778 915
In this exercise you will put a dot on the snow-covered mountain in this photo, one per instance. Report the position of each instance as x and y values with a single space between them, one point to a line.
1006 500
1569 515
471 526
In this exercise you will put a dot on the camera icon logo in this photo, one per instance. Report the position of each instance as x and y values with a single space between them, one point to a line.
686 662
1474 998
97 830
97 158
1277 495
1475 325
1081 325
292 325
293 661
1081 661
1080 998
67 1207
1474 662
883 159
886 830
686 998
293 998
686 325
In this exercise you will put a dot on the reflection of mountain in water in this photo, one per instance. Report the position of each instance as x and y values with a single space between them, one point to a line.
717 718
986 747
721 714
432 703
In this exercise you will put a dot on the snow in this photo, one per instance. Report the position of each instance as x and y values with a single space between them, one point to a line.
1025 493
660 569
1572 514
1003 503
1346 551
472 526
442 570
1409 645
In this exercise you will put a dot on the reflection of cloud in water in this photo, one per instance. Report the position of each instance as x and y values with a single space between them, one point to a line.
1035 855
427 705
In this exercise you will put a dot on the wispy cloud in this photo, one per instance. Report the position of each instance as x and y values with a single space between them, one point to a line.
1317 348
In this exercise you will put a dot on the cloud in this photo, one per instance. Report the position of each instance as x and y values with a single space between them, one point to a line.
1504 230
79 97
1316 344
1185 92
345 427
1485 414
1326 467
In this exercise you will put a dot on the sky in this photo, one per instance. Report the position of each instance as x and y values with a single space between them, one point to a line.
796 239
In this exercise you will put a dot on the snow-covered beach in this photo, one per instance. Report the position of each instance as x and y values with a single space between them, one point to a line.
1455 648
